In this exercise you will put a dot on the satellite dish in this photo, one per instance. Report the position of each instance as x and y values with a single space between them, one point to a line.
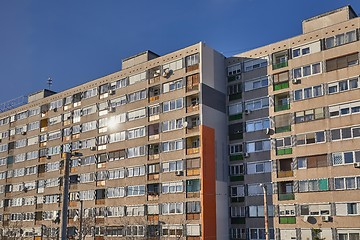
76 218
185 124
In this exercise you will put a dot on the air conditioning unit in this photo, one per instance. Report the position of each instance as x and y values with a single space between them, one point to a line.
306 218
166 72
156 73
23 132
48 156
92 148
357 165
268 131
246 155
296 81
112 109
247 111
178 173
55 109
111 92
326 218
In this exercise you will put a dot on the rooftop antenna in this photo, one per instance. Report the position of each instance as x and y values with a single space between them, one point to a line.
49 82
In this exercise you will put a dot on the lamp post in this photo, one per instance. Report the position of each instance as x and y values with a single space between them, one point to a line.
65 202
265 211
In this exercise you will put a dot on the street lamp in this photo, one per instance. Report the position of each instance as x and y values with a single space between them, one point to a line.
65 206
265 211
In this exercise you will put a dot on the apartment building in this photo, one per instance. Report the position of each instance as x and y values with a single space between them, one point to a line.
293 126
184 146
153 146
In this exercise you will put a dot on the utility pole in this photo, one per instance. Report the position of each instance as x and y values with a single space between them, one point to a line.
81 220
65 202
265 211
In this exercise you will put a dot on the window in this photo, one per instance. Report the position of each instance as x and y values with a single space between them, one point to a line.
116 137
119 84
258 146
309 115
175 230
88 126
135 230
237 211
116 173
172 86
175 65
172 166
234 69
136 96
234 89
193 207
20 143
343 85
258 211
340 39
315 209
172 208
117 211
306 49
256 190
346 183
255 64
235 149
257 125
173 145
172 125
193 229
313 185
310 92
115 192
136 151
236 170
256 83
87 177
310 138
135 171
314 161
235 108
193 185
257 104
345 133
173 105
90 93
36 125
32 112
345 209
121 101
342 62
258 167
54 135
137 78
136 190
238 233
259 233
308 70
172 187
136 132
344 109
341 158
53 120
136 114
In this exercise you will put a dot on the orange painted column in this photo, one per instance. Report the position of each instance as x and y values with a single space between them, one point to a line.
208 182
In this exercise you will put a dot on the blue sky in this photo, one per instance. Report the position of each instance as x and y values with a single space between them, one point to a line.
78 41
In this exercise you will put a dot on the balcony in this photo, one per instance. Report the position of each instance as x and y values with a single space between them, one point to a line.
283 151
154 137
194 150
282 107
192 67
283 129
236 157
99 201
280 65
280 86
236 178
282 174
286 196
287 220
235 96
152 177
192 108
280 59
235 117
194 129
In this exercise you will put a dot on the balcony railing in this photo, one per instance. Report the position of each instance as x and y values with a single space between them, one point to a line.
286 196
283 151
192 108
280 86
282 107
280 65
283 129
236 157
192 150
282 174
235 117
235 96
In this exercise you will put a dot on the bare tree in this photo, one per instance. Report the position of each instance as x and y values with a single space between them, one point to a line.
12 232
